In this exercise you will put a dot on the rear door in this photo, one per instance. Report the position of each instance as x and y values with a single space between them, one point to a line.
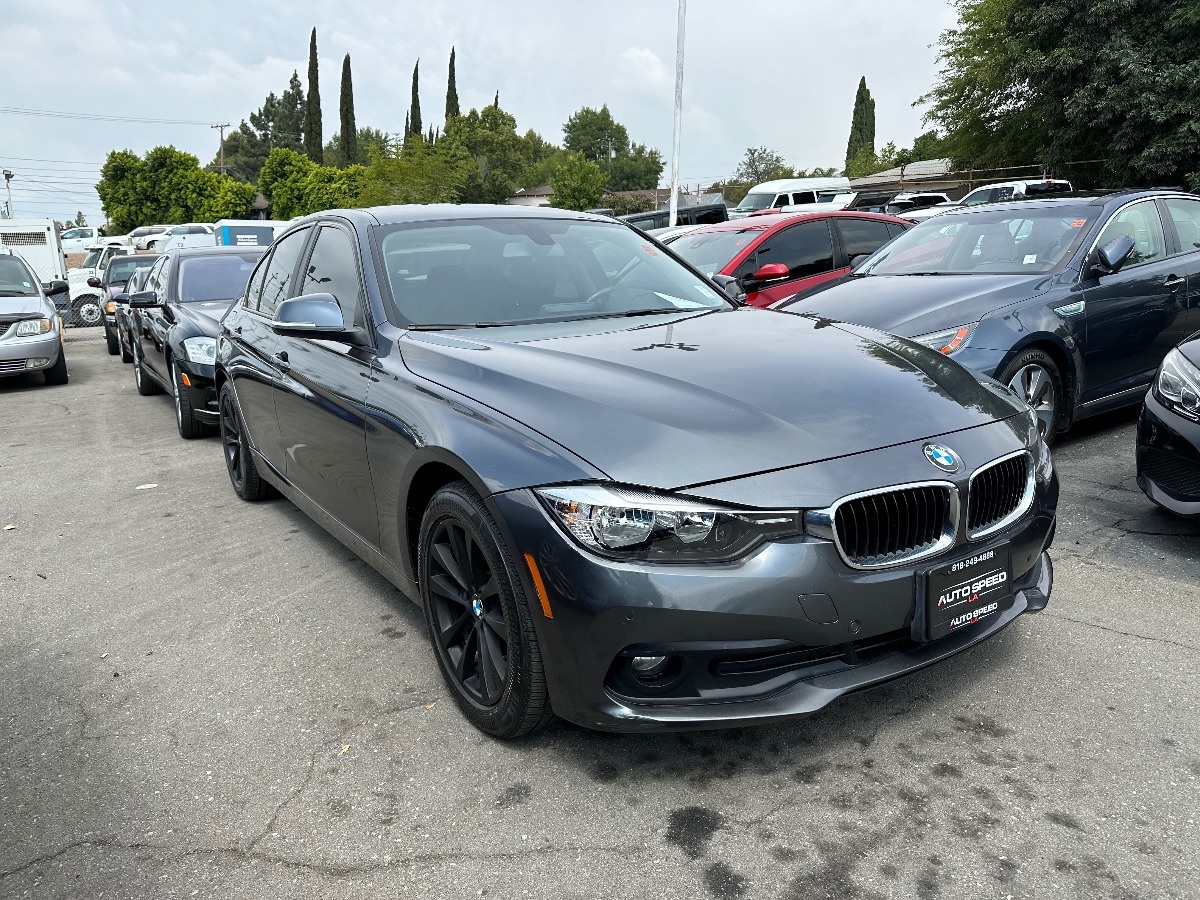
154 323
321 403
1135 316
859 237
806 248
1182 216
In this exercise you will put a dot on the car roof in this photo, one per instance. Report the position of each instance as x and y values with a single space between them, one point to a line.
764 223
188 252
441 212
1074 198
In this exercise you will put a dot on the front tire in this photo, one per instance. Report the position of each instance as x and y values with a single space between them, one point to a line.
126 354
1035 378
239 461
57 373
185 419
478 618
111 338
146 386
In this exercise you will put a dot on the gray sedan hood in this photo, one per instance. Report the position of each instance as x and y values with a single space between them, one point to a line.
14 308
707 397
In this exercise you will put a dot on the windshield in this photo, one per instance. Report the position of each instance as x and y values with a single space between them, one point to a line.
754 201
512 271
993 241
15 280
92 259
123 266
221 277
711 251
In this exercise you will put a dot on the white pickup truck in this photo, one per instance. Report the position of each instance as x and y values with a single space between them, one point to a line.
85 307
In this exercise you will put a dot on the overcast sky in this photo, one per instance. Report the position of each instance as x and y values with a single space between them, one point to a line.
775 73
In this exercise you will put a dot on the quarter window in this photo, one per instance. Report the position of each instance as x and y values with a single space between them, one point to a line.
1141 222
333 269
1185 215
277 282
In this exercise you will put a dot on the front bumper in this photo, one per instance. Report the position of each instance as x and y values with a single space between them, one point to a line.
201 392
742 631
1168 458
17 353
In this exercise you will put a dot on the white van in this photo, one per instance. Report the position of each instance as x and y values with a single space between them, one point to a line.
247 232
190 234
786 192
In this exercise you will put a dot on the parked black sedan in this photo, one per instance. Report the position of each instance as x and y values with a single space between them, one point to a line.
123 316
1168 438
1072 302
115 283
175 320
557 438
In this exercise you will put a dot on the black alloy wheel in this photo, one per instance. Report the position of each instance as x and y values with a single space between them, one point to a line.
477 617
126 353
1034 377
146 386
111 339
239 462
185 419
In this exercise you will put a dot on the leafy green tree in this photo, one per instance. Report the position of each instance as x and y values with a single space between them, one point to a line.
168 186
578 183
928 145
414 111
1052 81
595 134
229 199
638 170
499 155
759 165
861 143
544 158
451 91
422 175
370 141
348 145
282 182
623 204
312 108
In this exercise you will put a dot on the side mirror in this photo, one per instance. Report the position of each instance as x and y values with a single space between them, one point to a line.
121 299
771 272
733 290
861 258
95 282
1113 255
316 316
54 288
143 300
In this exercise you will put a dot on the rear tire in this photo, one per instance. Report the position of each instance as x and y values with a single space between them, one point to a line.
478 618
113 347
126 355
57 373
87 311
1034 377
239 461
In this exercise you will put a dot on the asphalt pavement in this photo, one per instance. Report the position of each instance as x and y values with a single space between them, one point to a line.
201 697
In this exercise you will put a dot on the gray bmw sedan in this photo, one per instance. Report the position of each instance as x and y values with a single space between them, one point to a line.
619 497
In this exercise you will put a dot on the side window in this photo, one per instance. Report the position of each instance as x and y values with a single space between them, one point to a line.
333 269
895 230
254 287
975 198
154 281
711 217
862 235
277 282
196 229
1141 222
781 200
1185 215
806 249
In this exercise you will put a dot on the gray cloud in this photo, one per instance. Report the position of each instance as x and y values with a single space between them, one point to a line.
780 73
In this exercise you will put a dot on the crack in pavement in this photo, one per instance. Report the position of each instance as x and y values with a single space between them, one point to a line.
1155 640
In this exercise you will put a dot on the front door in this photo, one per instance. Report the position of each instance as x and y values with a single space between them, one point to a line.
1135 316
321 402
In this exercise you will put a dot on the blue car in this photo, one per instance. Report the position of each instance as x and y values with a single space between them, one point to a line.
1070 301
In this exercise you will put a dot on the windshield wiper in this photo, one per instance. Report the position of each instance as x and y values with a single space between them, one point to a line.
548 319
16 294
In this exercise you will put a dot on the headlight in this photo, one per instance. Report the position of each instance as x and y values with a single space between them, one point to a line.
947 342
30 327
630 524
1178 385
201 350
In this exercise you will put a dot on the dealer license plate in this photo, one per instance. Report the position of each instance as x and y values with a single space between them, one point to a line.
968 591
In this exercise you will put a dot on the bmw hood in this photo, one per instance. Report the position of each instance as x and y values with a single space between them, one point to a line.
205 315
918 304
708 397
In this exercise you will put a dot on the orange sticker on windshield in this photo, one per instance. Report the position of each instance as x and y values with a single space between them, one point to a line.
650 251
1078 223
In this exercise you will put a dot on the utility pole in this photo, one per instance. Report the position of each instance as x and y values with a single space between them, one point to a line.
221 152
678 112
8 177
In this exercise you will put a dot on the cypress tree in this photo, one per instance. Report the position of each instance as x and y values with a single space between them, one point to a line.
349 136
414 116
429 137
862 124
497 101
452 92
313 144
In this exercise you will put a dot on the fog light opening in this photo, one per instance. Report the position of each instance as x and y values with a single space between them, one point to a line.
37 362
650 668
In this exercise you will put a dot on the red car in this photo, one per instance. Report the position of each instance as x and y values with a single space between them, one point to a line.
776 256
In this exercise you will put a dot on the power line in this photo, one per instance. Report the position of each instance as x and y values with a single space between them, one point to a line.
78 162
96 117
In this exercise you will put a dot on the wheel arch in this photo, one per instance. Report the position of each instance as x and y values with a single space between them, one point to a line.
1063 356
431 475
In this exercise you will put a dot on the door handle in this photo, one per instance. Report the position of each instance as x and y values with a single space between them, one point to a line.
1173 281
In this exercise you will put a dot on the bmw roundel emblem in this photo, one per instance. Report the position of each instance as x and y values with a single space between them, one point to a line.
942 457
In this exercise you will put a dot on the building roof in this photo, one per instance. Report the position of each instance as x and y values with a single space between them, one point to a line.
913 173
